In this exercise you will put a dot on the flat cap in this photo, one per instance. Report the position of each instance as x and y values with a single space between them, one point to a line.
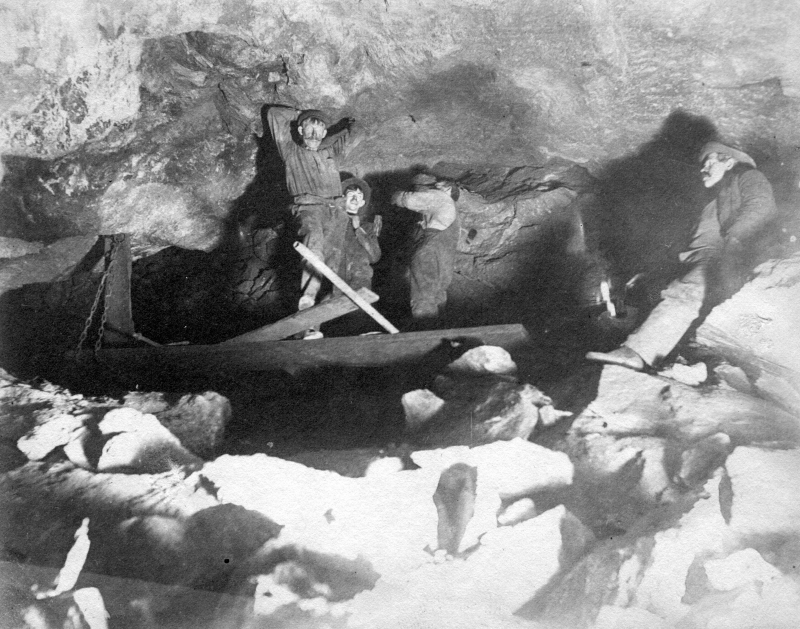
312 113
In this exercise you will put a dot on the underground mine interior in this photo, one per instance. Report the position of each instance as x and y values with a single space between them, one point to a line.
176 450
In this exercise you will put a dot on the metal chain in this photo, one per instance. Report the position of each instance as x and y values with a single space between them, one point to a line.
110 257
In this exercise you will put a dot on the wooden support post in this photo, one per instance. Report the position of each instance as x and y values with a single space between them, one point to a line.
118 309
339 283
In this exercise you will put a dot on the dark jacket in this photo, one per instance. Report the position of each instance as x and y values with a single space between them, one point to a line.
745 205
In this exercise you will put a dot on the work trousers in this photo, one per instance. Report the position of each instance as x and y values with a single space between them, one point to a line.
431 270
684 298
322 229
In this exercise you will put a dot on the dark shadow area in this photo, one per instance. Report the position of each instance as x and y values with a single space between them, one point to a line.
651 199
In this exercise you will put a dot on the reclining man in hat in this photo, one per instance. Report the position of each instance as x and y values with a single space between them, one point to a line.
743 207
361 247
434 245
312 176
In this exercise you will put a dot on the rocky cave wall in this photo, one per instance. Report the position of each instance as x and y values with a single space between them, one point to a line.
147 118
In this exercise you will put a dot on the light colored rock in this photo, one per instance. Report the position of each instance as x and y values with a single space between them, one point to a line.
388 520
55 432
485 359
129 420
515 468
145 453
734 377
765 485
140 443
383 466
518 511
702 532
611 617
47 264
15 247
155 212
739 568
758 330
420 406
509 567
771 605
515 562
691 375
483 410
76 449
633 403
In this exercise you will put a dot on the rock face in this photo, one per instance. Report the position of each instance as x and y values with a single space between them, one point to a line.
476 400
758 330
149 119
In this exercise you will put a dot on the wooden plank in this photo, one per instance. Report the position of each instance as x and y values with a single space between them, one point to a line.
339 283
303 320
118 308
377 350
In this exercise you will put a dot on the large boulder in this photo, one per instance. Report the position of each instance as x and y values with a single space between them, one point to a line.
758 330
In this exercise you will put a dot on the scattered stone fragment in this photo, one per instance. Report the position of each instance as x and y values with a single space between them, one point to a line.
739 568
485 359
518 511
515 468
55 432
734 377
691 375
16 247
420 406
140 444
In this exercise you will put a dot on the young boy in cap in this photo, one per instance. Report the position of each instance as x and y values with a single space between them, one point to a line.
361 247
743 207
312 176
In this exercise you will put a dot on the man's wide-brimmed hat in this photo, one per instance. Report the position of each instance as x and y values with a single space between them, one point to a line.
312 113
724 149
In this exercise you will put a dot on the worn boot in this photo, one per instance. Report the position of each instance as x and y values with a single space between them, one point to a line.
622 356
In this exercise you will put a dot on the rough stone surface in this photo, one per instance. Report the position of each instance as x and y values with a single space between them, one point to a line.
739 568
198 421
514 468
45 437
15 247
628 402
764 484
758 330
46 264
482 411
140 444
485 359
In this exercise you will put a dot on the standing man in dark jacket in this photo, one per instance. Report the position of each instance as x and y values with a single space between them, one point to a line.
312 176
715 259
435 242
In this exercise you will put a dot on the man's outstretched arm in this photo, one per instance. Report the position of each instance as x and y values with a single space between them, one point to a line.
280 118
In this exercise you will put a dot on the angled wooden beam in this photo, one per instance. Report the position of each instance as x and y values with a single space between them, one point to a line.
375 350
304 319
118 309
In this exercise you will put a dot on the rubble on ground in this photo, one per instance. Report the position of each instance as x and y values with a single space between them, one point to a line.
667 505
